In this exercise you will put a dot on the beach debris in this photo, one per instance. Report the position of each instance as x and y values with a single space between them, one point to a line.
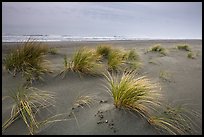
101 116
110 123
103 101
99 122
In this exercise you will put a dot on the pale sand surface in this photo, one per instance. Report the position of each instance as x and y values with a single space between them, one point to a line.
185 86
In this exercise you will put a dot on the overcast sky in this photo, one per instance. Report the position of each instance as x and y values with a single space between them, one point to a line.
137 19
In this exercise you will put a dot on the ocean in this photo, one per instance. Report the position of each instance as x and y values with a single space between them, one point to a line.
23 38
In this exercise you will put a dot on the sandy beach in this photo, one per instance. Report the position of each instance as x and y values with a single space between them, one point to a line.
183 86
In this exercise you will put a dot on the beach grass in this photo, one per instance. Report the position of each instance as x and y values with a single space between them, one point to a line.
137 94
84 100
191 55
165 75
185 47
132 55
28 59
115 60
158 48
132 60
85 61
104 50
176 120
53 51
27 102
118 59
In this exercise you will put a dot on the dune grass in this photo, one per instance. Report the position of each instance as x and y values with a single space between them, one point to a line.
158 48
165 75
185 47
53 51
27 102
84 60
191 55
84 100
115 60
118 59
132 55
176 120
104 50
137 94
27 59
132 60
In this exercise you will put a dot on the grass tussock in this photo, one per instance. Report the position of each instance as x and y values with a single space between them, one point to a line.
132 60
165 75
132 55
27 59
115 60
158 48
185 47
104 50
118 59
191 55
137 94
53 51
84 60
175 120
26 105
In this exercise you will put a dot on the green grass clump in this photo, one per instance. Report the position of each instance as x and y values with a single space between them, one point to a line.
191 55
158 48
175 120
27 102
27 59
104 50
118 59
115 60
166 76
132 58
137 94
52 51
132 55
184 47
84 60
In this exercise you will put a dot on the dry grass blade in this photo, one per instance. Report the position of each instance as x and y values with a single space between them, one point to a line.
82 101
175 120
27 103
